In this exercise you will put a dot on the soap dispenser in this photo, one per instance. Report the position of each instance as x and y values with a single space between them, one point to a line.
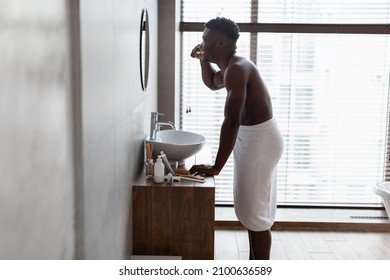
159 171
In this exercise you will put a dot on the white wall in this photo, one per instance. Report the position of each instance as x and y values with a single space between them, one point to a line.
115 114
71 138
36 163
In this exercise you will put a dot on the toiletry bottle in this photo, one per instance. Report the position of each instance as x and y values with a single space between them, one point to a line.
159 171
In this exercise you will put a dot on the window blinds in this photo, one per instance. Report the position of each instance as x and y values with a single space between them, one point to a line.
289 11
329 91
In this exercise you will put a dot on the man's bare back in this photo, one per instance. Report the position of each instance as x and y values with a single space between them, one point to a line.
258 106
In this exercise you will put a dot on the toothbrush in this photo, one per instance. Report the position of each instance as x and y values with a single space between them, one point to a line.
166 162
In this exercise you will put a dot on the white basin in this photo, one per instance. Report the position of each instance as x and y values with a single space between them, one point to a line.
383 189
178 145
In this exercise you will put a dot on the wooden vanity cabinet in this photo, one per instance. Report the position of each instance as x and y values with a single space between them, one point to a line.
174 220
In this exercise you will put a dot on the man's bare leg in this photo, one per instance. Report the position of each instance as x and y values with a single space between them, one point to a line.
259 245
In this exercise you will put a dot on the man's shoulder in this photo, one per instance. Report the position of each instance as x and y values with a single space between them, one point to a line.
242 61
239 65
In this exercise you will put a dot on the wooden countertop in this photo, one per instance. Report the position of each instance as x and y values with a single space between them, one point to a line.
203 157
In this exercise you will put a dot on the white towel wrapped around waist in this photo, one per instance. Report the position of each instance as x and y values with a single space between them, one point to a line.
257 152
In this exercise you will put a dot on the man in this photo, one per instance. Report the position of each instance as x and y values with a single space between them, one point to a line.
248 129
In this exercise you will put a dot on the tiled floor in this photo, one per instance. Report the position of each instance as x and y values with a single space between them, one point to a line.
311 234
308 245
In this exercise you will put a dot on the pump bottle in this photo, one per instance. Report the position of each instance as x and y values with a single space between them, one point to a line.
159 171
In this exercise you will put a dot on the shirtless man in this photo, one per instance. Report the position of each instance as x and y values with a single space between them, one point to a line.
248 130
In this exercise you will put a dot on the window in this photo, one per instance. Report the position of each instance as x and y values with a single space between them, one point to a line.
327 67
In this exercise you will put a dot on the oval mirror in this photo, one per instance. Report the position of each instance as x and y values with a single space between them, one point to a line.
144 49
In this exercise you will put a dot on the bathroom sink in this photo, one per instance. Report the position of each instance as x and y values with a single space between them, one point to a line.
178 145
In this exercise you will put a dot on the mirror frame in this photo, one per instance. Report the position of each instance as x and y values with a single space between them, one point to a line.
144 49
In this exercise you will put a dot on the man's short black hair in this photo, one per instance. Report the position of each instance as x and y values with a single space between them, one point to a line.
225 26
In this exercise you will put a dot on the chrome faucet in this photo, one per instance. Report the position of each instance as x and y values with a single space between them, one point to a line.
155 124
